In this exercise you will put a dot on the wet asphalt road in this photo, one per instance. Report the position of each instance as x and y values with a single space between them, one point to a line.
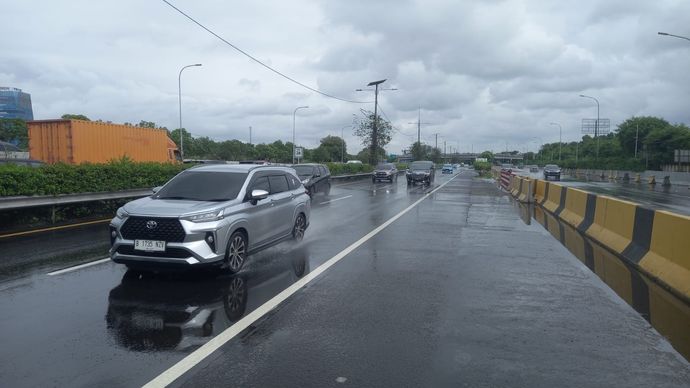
456 291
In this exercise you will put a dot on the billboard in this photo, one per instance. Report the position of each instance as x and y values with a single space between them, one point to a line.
589 126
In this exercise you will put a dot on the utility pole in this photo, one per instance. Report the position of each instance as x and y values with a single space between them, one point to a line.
436 142
250 135
373 158
637 133
374 134
419 126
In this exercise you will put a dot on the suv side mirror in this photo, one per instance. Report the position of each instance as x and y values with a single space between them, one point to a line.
257 195
156 189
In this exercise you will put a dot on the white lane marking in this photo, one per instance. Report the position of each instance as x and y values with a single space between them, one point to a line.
336 199
187 363
76 267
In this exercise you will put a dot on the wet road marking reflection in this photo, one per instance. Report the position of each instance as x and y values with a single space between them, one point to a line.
336 199
187 363
76 267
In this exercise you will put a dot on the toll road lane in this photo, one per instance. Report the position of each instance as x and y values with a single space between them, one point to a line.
101 325
457 291
675 198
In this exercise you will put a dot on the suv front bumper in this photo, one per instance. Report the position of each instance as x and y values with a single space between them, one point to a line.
192 251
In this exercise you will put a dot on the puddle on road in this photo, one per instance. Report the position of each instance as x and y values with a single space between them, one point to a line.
180 312
668 314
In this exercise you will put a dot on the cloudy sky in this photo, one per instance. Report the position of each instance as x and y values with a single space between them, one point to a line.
486 74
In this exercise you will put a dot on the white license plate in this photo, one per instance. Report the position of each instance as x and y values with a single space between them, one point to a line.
143 321
149 245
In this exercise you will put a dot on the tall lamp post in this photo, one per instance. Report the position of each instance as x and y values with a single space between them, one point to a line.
374 132
342 143
179 94
675 36
293 130
560 139
596 124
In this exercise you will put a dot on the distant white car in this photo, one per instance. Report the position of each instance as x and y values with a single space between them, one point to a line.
354 162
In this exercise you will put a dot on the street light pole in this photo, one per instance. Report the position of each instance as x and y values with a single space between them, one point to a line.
293 130
560 139
342 143
374 133
675 36
596 124
179 95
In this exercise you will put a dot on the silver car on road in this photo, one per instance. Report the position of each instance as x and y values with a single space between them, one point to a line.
211 215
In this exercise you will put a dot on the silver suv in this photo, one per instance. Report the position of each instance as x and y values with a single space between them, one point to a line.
211 215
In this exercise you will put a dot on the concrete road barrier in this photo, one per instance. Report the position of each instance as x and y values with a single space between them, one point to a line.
540 191
613 223
668 255
554 198
655 242
575 208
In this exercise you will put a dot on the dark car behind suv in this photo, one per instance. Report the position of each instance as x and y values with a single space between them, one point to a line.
553 171
316 178
420 172
385 172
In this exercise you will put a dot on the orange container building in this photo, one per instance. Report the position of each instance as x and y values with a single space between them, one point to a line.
78 141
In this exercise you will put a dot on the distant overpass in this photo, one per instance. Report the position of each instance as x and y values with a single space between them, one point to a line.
469 157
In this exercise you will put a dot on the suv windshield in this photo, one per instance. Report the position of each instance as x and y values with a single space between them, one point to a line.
551 167
385 166
203 186
303 171
420 165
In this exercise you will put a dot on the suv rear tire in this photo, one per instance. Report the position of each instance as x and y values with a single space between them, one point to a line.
299 227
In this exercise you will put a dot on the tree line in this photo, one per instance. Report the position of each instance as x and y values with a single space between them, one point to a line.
638 143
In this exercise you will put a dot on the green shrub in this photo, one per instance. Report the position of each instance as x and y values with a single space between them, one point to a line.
346 169
482 167
65 179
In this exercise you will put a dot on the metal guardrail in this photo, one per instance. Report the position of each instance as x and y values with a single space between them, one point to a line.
10 203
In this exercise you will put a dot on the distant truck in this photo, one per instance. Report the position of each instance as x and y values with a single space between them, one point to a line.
79 141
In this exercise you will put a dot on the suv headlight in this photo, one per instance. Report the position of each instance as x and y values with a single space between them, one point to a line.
121 213
305 181
205 217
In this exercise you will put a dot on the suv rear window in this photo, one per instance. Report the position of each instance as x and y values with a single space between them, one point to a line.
293 182
203 186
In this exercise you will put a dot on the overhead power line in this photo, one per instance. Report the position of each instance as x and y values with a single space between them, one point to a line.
391 123
259 62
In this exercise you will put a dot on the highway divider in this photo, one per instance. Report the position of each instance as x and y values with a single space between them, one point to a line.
655 242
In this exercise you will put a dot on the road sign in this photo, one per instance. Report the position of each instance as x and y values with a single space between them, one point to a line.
299 152
589 127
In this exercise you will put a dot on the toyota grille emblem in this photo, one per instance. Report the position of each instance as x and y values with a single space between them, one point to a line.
151 225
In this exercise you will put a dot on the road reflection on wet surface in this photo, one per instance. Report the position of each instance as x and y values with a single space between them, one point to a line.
668 313
150 312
